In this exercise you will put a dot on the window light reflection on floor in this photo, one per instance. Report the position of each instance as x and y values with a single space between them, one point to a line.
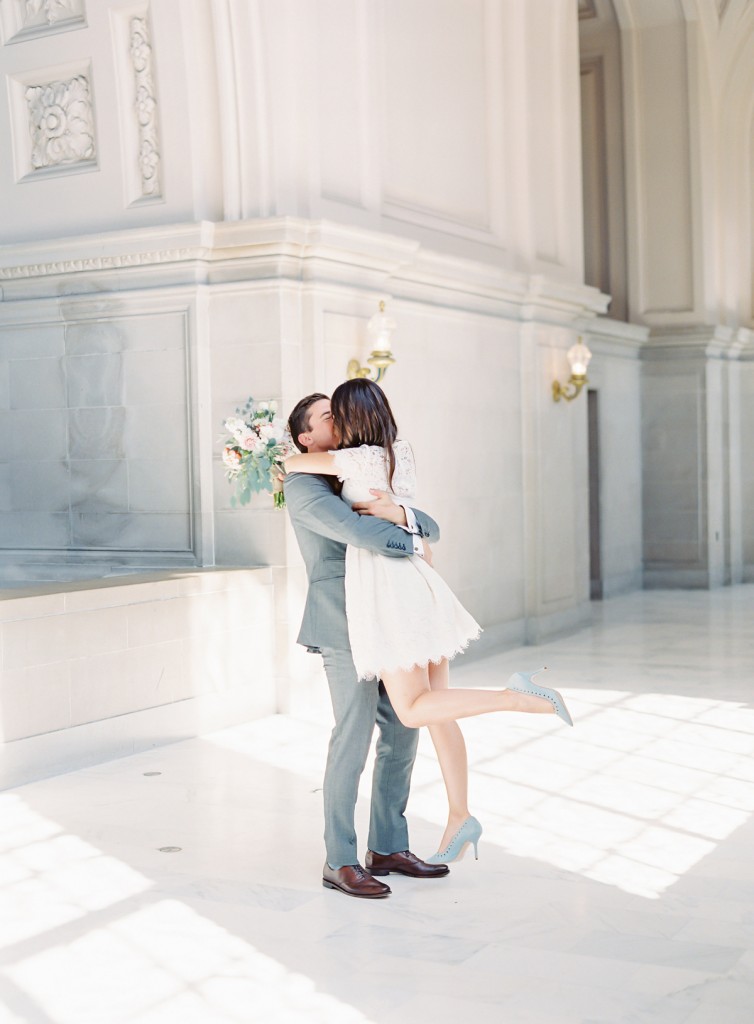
637 793
165 962
7 1017
641 790
160 962
49 877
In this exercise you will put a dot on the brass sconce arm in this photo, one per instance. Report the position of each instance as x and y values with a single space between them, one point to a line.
379 361
570 389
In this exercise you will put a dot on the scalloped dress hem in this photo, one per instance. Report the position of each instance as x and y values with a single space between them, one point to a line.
368 675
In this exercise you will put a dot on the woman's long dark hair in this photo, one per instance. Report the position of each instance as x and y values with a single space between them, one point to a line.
361 415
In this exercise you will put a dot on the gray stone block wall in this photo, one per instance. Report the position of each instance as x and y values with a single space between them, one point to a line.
94 449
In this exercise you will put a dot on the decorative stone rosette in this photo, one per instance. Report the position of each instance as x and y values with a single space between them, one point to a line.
61 123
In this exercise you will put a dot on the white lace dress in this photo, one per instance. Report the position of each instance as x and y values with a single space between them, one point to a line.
400 611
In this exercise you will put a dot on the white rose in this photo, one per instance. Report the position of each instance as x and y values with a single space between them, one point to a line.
267 431
234 425
263 406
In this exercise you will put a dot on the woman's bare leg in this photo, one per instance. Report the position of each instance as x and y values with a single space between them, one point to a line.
451 753
416 704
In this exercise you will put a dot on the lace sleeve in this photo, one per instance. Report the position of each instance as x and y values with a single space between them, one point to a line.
361 465
368 466
404 478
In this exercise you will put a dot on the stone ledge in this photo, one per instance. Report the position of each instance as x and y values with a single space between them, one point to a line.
45 599
106 650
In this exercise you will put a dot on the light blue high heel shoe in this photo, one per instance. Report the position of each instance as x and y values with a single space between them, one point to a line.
522 682
468 833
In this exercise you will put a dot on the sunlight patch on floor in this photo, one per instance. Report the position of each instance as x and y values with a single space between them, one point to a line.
162 962
278 741
166 963
637 793
640 791
49 878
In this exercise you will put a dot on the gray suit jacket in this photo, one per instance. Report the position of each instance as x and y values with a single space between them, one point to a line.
324 525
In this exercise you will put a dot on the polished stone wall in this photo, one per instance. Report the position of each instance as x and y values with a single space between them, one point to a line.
94 419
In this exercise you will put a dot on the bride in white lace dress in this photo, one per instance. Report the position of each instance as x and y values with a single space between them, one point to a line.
404 622
401 612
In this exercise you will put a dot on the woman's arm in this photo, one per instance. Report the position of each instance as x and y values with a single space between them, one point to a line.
311 462
313 505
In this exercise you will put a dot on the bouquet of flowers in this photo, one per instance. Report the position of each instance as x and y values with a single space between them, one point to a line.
255 450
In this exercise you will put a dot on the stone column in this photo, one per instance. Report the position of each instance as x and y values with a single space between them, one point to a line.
745 372
691 474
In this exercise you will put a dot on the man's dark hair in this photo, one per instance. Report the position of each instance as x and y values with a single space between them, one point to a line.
299 421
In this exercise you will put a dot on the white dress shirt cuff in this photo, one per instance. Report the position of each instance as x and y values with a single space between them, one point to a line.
412 528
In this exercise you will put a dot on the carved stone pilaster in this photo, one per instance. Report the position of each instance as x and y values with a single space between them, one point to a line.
61 123
146 108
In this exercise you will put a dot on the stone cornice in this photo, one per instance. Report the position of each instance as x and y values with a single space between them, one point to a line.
290 249
88 263
745 340
614 337
699 341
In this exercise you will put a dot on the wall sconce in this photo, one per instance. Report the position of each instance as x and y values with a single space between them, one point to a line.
578 356
379 330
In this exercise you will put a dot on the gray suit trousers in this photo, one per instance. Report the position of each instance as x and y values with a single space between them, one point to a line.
356 706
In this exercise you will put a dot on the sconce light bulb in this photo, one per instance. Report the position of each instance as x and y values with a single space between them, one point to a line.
578 356
380 329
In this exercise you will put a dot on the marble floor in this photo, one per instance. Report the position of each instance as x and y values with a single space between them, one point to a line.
615 882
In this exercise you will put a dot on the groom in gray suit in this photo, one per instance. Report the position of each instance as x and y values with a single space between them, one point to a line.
324 525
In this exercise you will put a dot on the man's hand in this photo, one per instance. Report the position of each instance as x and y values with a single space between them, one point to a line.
383 508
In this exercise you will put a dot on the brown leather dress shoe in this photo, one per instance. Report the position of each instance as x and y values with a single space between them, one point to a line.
353 880
403 863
